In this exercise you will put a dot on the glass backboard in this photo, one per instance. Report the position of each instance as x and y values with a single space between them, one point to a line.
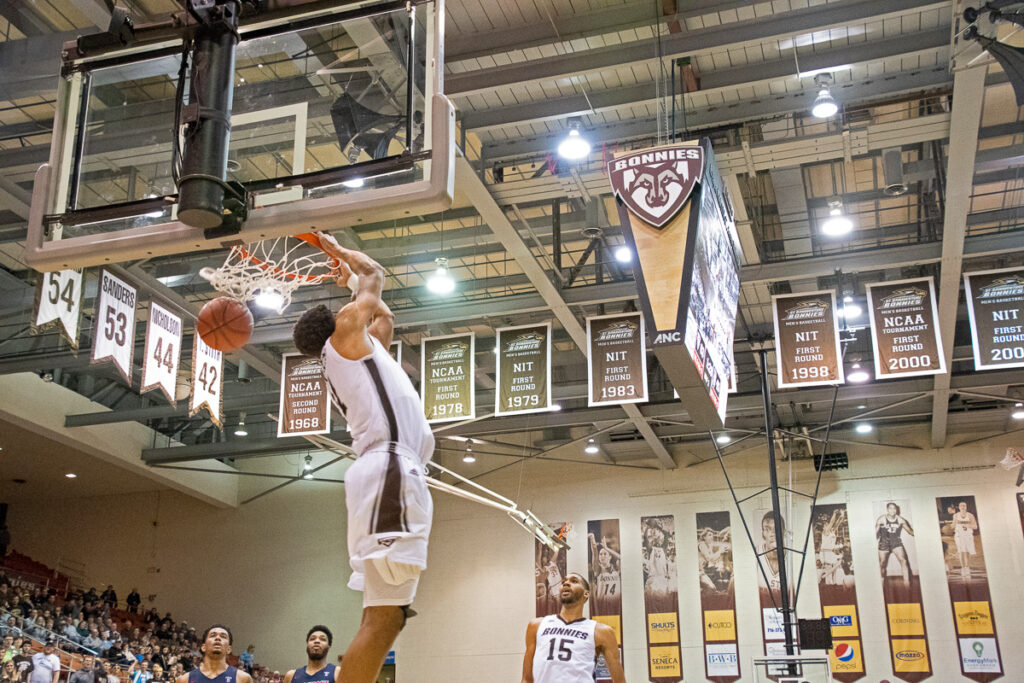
792 669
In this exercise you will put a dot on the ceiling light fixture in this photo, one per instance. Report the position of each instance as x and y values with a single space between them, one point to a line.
307 476
574 146
857 374
852 310
825 106
153 214
623 254
723 439
71 475
1018 411
556 407
863 428
441 281
269 298
837 224
591 448
308 463
469 458
240 430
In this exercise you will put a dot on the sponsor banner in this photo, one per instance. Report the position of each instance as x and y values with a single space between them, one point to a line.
837 589
661 599
163 352
901 590
549 568
59 303
905 328
605 576
305 406
617 369
969 595
396 351
114 325
717 596
207 381
523 376
995 304
446 377
807 350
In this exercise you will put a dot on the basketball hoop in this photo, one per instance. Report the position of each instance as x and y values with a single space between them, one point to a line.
1013 459
271 269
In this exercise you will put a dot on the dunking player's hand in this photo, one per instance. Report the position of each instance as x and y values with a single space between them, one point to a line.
356 261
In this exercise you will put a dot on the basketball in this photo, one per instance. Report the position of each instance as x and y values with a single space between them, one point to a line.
225 324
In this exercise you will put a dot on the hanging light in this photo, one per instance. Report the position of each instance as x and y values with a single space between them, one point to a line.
863 428
623 254
269 298
308 463
441 281
851 310
240 430
591 448
837 224
307 476
353 156
825 106
857 374
1018 411
723 439
468 457
574 146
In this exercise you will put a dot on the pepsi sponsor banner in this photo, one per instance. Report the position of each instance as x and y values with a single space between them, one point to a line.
807 349
905 328
605 576
114 326
207 381
617 367
549 568
837 588
661 599
59 303
677 217
717 597
769 584
523 374
901 590
446 377
163 352
995 304
305 399
967 578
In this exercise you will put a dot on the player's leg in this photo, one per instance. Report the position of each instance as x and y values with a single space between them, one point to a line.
377 632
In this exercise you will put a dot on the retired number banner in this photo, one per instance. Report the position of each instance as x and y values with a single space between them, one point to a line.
114 325
905 329
305 399
661 599
901 590
446 377
807 347
523 370
163 352
995 302
605 576
549 568
837 589
617 371
967 578
717 597
207 381
59 302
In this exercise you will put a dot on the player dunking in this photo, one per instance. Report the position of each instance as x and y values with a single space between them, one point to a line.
317 670
389 507
214 668
563 647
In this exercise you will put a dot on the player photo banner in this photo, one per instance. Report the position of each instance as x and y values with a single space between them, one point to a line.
967 578
995 303
837 588
717 597
605 576
163 352
59 302
617 369
549 568
207 381
446 377
769 584
807 347
305 402
905 329
661 599
901 590
114 335
523 370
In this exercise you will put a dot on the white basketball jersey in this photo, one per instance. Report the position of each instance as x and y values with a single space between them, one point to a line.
379 402
565 653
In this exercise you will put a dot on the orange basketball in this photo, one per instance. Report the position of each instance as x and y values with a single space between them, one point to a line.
225 324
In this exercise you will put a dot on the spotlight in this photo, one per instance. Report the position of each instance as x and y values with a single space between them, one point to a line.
857 374
441 281
469 458
863 428
723 439
307 476
825 106
269 298
354 183
153 214
591 448
837 224
240 430
71 475
308 464
574 146
852 310
623 254
1018 412
555 407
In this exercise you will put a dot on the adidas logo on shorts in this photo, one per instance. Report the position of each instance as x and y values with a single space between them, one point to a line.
387 542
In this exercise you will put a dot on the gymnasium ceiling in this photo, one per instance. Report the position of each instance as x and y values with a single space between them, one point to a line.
516 71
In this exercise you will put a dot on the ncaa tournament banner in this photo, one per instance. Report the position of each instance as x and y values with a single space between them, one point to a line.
967 578
807 349
305 402
905 329
901 590
207 381
661 599
163 352
717 597
769 584
523 375
446 377
59 302
549 568
605 576
837 589
617 367
995 302
114 324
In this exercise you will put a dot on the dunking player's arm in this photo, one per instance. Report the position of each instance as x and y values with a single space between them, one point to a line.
366 313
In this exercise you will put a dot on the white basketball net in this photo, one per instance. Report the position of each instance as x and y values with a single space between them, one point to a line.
269 271
1013 459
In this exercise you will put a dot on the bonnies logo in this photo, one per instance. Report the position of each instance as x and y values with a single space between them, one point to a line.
619 331
1012 285
807 310
449 351
909 297
305 368
655 184
528 341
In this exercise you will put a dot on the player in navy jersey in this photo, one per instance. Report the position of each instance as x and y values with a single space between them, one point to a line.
214 667
317 670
